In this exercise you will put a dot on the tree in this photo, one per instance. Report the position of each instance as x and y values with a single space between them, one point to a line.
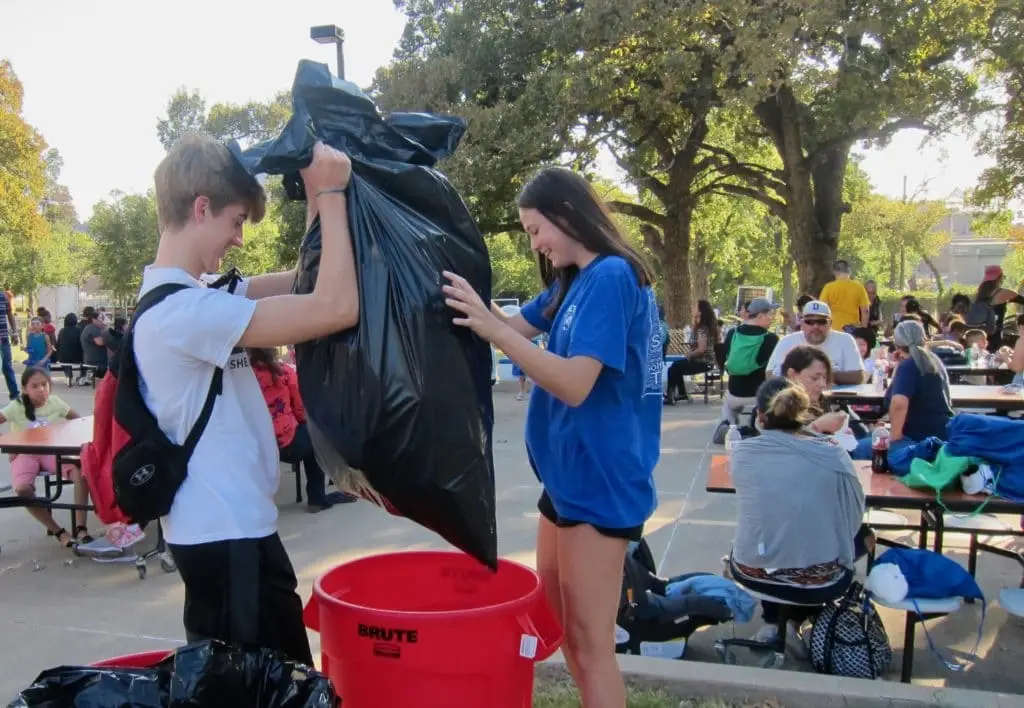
125 233
822 77
260 252
514 273
548 81
186 113
22 170
58 207
1003 137
880 231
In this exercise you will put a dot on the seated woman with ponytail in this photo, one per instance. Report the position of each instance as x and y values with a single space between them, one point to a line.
917 400
800 506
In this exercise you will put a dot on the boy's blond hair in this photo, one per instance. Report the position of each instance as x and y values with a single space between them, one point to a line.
198 165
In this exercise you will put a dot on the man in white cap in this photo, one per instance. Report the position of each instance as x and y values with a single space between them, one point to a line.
816 330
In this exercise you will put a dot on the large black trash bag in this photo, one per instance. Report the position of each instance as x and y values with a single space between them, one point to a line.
206 674
399 407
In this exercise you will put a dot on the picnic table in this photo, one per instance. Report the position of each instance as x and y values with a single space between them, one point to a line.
886 491
63 439
993 374
963 396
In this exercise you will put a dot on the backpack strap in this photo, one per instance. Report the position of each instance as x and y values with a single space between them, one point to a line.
146 302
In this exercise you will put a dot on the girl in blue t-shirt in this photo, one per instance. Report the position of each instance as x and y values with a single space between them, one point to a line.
593 426
37 346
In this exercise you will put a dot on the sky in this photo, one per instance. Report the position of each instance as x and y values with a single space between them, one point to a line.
98 75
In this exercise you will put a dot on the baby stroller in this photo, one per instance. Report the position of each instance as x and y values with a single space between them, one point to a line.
649 622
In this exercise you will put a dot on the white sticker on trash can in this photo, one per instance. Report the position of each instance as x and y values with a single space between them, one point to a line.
528 646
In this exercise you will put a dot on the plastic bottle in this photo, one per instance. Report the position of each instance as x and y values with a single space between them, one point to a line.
880 450
974 358
878 377
732 437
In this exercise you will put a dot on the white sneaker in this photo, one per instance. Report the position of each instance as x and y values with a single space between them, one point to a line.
520 396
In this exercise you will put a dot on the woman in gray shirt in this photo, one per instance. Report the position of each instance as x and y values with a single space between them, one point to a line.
800 506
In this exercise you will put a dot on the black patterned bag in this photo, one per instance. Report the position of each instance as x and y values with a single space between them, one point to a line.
849 639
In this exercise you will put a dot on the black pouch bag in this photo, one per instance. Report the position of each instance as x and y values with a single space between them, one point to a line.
399 407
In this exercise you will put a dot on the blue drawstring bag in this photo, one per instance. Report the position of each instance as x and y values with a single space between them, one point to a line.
933 576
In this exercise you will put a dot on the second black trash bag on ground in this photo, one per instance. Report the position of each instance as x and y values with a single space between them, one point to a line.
399 407
206 674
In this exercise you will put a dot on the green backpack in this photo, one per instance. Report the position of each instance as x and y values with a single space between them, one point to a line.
743 349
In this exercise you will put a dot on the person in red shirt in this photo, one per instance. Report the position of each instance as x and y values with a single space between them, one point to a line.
280 386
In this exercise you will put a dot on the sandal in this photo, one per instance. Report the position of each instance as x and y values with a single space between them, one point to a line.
60 534
82 535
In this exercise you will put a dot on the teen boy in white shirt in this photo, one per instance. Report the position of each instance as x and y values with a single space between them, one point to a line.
222 528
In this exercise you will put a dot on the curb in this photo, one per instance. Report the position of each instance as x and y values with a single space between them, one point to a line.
788 689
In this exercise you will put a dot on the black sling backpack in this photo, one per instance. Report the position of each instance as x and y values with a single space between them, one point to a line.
148 468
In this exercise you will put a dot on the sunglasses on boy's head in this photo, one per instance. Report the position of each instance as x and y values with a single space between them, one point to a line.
814 321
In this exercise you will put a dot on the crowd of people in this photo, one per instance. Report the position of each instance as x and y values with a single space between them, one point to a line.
802 547
593 424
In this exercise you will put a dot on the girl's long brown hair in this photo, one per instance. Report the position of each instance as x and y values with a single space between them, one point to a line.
569 202
266 358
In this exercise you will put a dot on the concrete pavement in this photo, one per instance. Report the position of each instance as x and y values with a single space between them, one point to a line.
56 610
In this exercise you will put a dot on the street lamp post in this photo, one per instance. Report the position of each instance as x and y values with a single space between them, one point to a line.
331 34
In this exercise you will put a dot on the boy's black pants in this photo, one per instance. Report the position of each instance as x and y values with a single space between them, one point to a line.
243 592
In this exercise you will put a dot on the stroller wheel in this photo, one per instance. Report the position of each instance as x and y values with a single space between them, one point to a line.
167 565
774 660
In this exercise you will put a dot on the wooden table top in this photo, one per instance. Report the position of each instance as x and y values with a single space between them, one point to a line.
883 491
63 437
964 396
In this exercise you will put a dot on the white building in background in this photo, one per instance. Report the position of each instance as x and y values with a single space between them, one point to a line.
63 299
964 258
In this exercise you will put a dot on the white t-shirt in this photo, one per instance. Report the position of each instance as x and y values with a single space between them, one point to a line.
840 347
233 473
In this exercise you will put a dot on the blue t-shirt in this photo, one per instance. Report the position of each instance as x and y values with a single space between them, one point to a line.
35 347
597 460
930 410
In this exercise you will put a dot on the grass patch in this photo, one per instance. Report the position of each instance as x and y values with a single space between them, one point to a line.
562 694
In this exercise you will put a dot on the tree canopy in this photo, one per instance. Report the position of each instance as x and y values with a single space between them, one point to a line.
746 99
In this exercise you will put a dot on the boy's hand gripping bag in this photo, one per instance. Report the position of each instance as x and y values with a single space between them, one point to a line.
399 407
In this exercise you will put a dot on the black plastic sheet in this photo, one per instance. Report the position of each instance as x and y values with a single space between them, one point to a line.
206 674
399 407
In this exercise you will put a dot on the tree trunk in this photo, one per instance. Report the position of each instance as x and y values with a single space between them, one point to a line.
903 267
700 284
788 301
892 269
935 272
676 268
814 190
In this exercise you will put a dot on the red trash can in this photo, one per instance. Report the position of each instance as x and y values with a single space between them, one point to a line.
431 629
144 660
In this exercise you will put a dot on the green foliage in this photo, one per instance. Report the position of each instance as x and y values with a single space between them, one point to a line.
1003 136
125 233
260 254
274 243
514 273
879 232
22 172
